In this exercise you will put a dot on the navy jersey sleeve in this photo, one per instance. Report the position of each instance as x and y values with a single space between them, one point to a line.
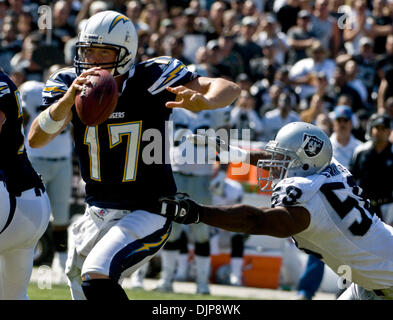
8 94
57 85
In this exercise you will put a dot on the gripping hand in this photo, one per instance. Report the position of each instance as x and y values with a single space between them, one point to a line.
180 208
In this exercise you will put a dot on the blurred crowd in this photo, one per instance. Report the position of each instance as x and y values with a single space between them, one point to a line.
294 59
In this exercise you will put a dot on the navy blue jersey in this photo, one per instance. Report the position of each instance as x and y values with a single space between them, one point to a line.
19 173
110 154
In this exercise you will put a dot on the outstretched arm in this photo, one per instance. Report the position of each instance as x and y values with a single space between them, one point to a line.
281 222
204 93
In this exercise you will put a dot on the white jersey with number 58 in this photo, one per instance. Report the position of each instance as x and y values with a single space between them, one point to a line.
343 233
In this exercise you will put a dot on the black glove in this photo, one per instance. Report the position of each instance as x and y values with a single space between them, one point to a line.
180 208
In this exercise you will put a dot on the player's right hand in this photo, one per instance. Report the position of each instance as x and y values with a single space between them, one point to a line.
77 85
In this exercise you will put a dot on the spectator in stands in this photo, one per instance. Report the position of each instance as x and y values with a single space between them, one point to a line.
266 93
9 45
339 87
266 66
151 15
373 161
15 7
275 119
271 32
244 117
244 82
288 14
156 46
69 48
357 27
25 25
359 132
230 58
300 38
193 34
317 104
89 8
385 60
214 55
388 109
245 45
303 73
325 102
134 9
343 142
237 7
351 71
62 31
174 48
250 8
231 22
3 11
166 29
382 25
202 65
216 19
323 121
23 60
325 27
366 63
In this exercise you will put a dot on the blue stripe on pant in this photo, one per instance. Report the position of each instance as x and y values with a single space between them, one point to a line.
138 250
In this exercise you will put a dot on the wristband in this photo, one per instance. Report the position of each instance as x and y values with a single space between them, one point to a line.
47 124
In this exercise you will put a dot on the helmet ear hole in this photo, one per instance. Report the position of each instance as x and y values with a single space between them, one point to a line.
306 166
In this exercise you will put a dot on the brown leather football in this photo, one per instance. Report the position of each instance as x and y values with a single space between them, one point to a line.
98 99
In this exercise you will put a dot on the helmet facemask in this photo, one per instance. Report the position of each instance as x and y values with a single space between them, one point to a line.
277 168
81 65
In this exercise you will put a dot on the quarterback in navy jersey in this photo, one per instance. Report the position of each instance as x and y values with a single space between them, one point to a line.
24 205
120 229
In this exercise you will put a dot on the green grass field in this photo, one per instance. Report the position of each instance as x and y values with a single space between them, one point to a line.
62 292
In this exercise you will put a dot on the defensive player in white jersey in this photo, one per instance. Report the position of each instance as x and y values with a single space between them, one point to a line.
315 201
192 173
54 163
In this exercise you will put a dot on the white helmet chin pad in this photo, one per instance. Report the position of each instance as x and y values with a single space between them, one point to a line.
300 149
108 29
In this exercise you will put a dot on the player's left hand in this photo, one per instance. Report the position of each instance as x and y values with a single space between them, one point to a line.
188 99
180 208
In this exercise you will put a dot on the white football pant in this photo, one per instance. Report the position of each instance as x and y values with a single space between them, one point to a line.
18 240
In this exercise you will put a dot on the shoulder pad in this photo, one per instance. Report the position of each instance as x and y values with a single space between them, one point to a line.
296 190
171 70
4 88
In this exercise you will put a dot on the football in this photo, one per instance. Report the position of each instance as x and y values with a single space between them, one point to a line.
98 99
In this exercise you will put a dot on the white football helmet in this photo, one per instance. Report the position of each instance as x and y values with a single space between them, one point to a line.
300 149
108 29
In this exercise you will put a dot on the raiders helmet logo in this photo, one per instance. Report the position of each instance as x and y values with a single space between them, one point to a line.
313 146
